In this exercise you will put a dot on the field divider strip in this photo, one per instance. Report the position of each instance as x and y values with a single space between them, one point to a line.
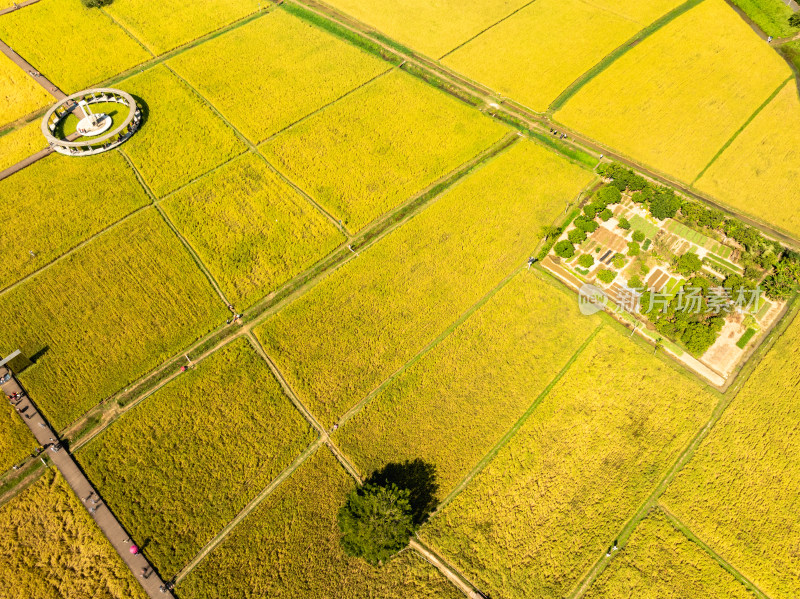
127 31
727 566
518 424
611 58
266 492
455 577
313 113
480 33
73 249
652 500
429 347
201 177
254 148
177 233
742 128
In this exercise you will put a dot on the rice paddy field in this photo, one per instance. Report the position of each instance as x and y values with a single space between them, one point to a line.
16 441
659 562
161 466
676 98
181 138
556 496
73 46
757 172
274 71
444 409
20 95
50 547
359 160
523 57
251 228
289 547
17 144
353 330
432 28
57 210
136 285
162 26
738 492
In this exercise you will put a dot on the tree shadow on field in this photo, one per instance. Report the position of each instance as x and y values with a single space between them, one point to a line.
419 477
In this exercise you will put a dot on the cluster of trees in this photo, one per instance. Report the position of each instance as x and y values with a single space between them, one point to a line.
794 20
585 223
96 3
784 280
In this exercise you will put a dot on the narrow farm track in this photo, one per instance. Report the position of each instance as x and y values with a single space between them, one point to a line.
45 83
17 6
454 576
713 554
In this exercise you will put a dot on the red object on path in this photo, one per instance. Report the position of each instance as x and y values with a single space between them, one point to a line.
134 549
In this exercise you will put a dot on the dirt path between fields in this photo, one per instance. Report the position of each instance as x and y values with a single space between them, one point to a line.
17 6
27 67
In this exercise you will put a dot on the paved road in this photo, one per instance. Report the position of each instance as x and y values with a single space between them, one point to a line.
28 68
17 6
84 490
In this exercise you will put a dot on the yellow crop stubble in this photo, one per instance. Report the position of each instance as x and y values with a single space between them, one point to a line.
19 94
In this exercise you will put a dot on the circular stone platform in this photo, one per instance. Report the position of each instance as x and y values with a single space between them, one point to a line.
93 127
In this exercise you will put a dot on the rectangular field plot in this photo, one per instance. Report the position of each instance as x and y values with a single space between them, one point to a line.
181 137
16 440
677 97
272 72
554 498
20 143
50 547
456 403
135 285
250 228
526 57
180 466
659 562
359 159
19 93
758 172
162 26
73 46
433 28
289 547
56 208
366 320
738 494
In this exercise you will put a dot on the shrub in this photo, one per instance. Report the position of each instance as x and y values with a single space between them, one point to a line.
584 224
376 522
606 275
688 264
606 214
590 210
597 250
565 249
635 282
633 248
623 223
577 236
586 261
609 195
619 260
638 236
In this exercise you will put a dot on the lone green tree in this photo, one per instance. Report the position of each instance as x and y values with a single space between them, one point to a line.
96 3
376 522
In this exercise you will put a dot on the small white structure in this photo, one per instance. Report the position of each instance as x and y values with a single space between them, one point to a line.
92 127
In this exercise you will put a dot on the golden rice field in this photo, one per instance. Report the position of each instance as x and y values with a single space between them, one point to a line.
18 144
447 409
250 228
675 99
555 497
19 93
289 547
758 172
642 13
274 71
739 492
135 285
57 210
74 47
524 57
178 467
50 547
659 562
359 159
167 24
433 28
359 325
16 440
181 138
